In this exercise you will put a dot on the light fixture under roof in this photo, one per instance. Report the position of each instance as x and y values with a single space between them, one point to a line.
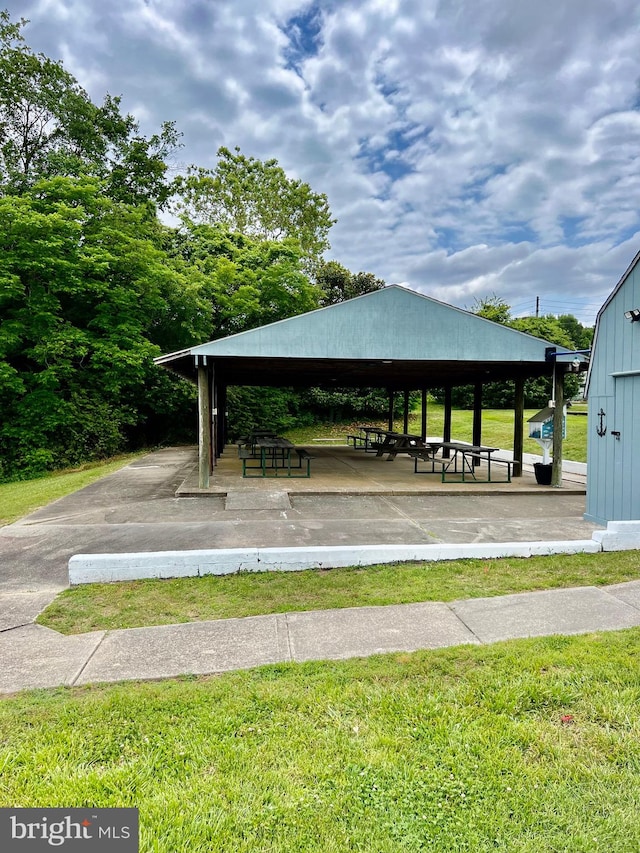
633 314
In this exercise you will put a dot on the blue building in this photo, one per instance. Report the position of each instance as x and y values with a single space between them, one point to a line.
613 389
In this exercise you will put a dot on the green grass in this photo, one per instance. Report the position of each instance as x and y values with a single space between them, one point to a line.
497 430
25 496
530 746
159 602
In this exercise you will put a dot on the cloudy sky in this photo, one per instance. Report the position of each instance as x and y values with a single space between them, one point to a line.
467 147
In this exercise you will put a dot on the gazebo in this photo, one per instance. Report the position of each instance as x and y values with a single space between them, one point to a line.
392 338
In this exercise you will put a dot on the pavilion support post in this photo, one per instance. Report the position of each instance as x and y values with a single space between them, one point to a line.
477 419
558 418
423 412
405 422
213 456
391 402
518 421
204 426
446 430
221 420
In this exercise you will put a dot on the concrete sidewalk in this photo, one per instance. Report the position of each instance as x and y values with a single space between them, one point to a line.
37 657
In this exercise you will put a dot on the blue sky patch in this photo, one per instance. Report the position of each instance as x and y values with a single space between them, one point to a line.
304 32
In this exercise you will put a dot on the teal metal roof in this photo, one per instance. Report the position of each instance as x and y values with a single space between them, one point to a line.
392 326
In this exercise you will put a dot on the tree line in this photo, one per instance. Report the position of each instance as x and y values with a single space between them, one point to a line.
93 284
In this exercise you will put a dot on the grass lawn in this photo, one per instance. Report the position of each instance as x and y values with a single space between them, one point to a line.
159 602
497 429
527 746
25 496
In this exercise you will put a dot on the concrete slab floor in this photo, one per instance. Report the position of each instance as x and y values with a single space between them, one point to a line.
237 499
38 657
343 470
628 592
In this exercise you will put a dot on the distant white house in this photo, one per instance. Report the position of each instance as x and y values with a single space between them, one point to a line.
613 389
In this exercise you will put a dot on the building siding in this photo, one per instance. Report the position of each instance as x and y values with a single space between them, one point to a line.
613 487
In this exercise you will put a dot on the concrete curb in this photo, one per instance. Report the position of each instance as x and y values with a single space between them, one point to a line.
105 568
619 536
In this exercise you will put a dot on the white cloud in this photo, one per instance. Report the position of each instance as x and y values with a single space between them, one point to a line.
464 148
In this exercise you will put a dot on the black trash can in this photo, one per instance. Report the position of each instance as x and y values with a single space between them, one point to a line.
543 473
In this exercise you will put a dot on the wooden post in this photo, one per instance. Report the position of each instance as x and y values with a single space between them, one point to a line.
221 432
518 421
406 413
204 427
213 392
558 412
477 419
446 430
391 398
423 429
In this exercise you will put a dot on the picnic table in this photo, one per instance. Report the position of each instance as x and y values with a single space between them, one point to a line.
399 442
272 456
462 463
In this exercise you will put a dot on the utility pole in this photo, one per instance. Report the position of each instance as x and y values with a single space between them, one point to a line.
537 306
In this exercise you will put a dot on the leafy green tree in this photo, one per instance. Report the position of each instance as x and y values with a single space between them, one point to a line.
257 199
547 327
49 126
582 336
248 282
340 405
87 300
493 308
338 283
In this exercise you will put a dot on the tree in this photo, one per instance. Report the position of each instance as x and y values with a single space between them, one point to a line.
539 391
582 336
49 126
248 282
338 283
87 300
339 404
256 199
493 308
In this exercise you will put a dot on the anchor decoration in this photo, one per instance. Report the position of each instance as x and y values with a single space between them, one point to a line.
601 428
